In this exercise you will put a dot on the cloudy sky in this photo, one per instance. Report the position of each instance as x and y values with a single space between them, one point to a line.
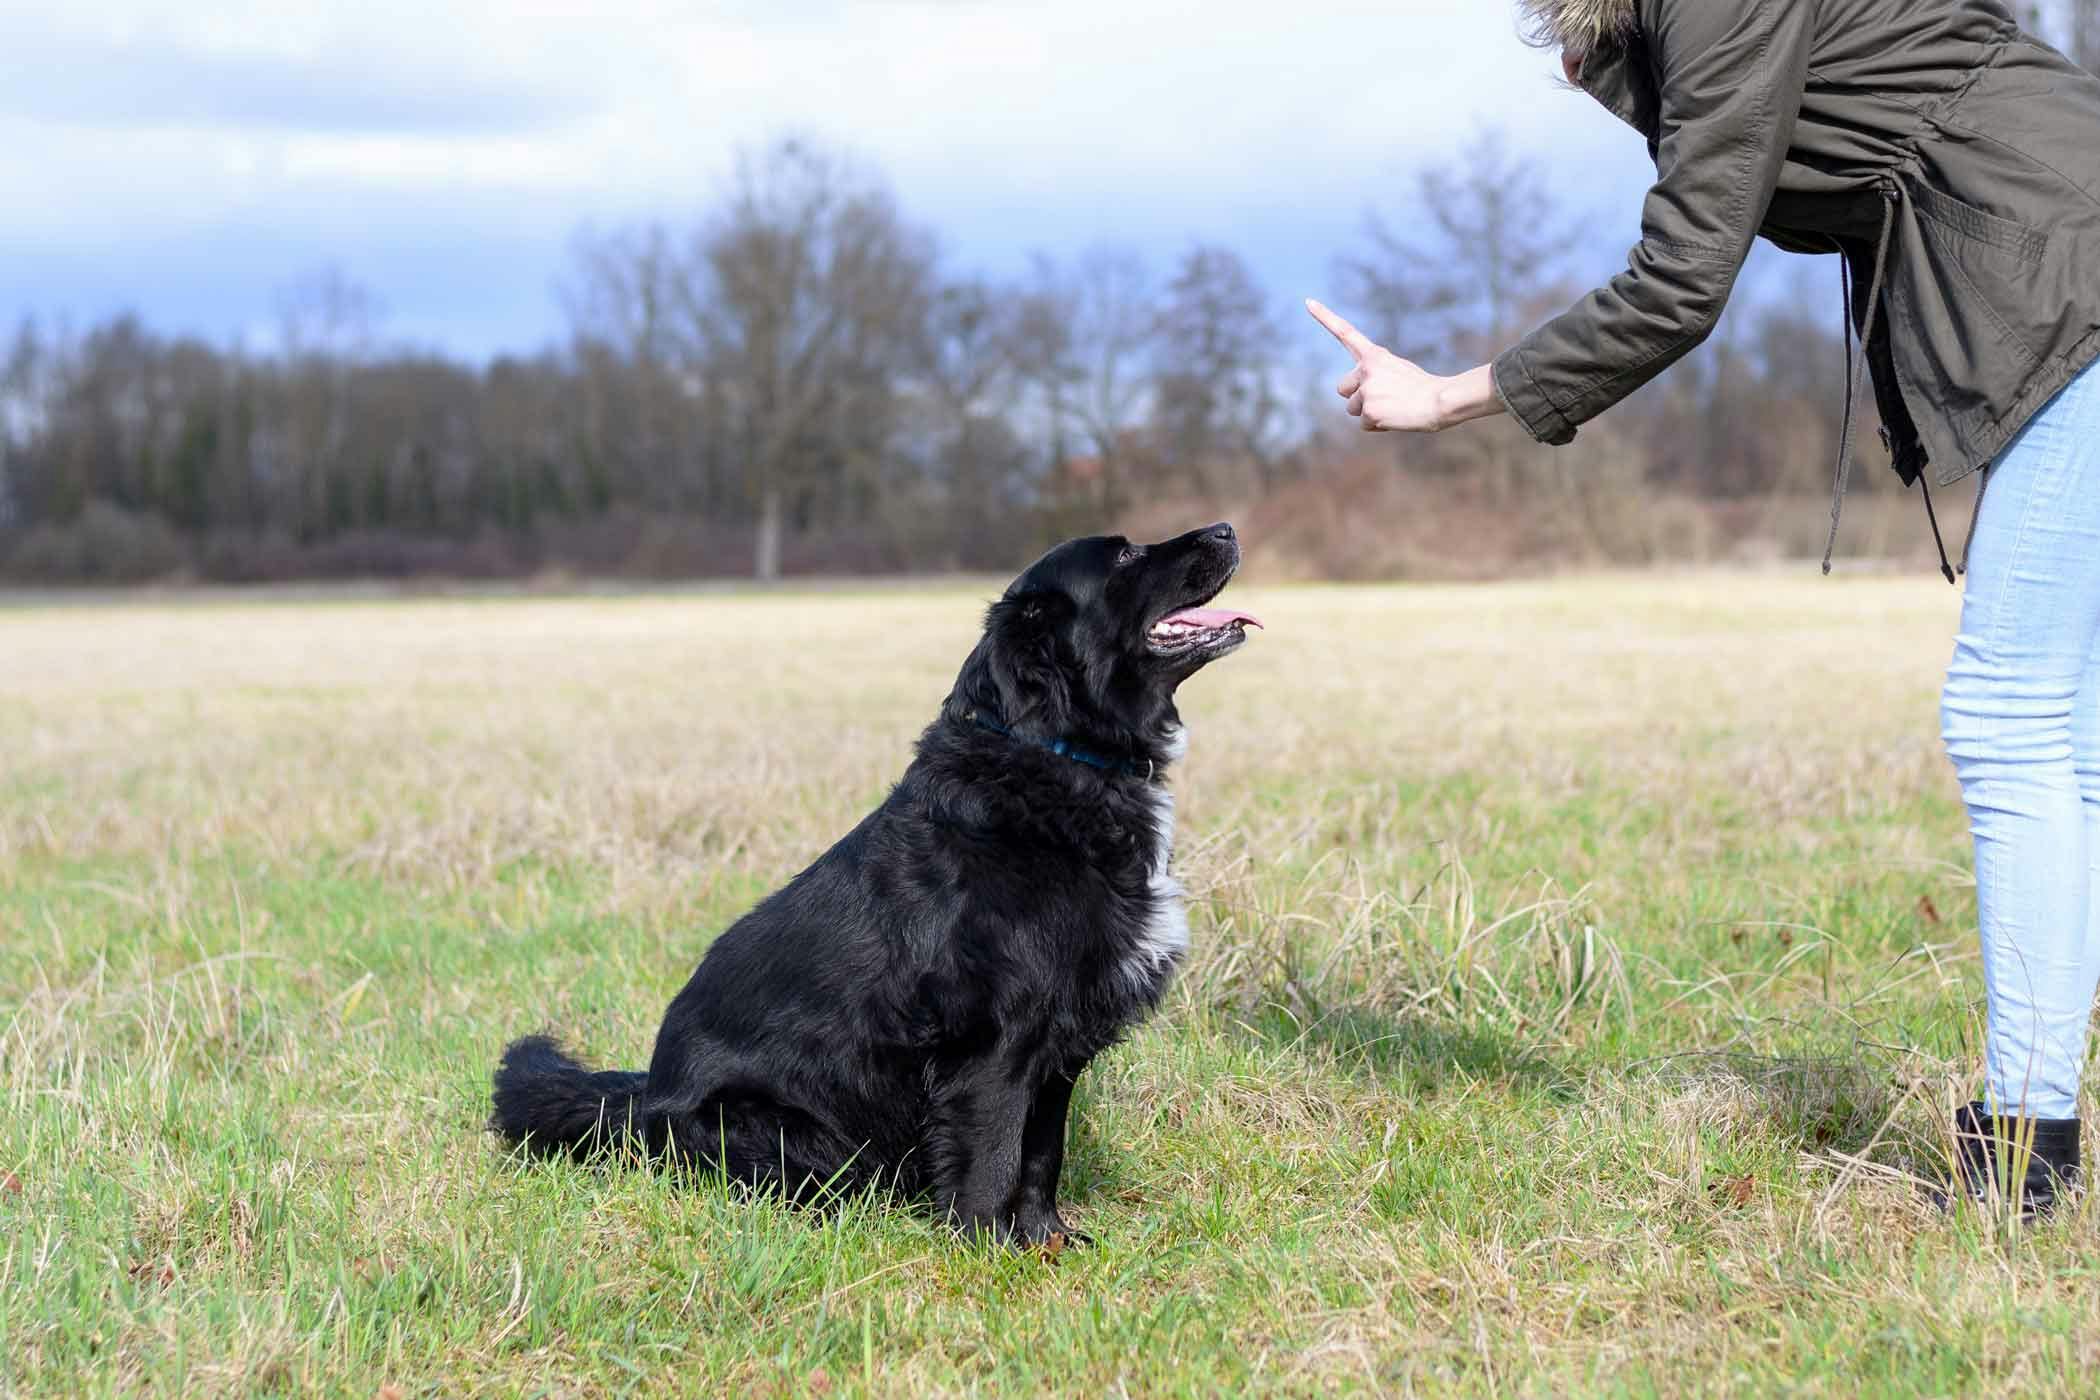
188 160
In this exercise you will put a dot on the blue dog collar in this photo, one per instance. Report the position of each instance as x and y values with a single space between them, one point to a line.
1065 748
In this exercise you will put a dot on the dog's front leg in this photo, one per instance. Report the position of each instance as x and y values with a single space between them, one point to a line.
979 1122
1043 1162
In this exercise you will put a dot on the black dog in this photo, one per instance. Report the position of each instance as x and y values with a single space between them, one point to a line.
914 1008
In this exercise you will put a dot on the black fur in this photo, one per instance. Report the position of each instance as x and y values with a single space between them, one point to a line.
914 1008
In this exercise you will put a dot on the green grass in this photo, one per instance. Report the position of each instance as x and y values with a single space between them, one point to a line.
1582 973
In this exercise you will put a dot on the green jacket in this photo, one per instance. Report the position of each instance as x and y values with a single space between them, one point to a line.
1934 128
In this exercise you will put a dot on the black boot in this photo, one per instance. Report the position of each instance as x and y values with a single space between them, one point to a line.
1994 1154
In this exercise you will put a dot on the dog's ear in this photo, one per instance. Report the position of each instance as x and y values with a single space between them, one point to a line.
1015 669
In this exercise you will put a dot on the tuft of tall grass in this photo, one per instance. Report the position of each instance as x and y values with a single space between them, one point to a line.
1331 945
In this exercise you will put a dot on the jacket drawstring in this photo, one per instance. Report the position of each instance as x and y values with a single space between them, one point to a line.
1946 569
1983 484
1857 364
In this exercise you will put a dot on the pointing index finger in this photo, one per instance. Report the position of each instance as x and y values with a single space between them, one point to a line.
1352 339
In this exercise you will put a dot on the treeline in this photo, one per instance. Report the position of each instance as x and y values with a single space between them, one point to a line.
791 382
796 381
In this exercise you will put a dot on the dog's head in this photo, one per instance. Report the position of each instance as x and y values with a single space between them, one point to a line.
1092 640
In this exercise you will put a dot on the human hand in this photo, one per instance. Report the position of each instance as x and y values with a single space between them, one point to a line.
1390 394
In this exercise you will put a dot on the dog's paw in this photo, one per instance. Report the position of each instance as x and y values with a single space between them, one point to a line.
1049 1234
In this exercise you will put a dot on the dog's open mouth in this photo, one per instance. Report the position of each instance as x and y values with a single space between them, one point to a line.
1199 629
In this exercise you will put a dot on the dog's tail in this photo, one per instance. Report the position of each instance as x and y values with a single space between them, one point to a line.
549 1103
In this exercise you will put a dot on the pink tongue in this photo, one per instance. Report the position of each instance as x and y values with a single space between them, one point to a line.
1212 617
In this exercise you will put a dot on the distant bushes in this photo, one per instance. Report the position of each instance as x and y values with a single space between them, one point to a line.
104 544
108 545
1357 522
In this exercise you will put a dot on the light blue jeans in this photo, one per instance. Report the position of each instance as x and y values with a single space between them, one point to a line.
2021 717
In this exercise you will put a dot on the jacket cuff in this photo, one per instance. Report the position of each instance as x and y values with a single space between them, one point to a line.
1527 403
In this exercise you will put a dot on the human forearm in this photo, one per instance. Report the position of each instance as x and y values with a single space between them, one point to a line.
1461 398
1731 83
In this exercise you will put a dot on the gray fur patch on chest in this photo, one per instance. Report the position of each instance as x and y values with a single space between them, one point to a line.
1165 935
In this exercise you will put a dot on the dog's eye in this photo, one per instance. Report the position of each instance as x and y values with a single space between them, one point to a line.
1130 555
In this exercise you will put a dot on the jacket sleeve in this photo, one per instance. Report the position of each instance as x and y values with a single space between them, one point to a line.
1732 77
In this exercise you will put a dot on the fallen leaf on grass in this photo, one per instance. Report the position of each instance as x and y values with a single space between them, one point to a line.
160 1271
1734 1191
1927 910
10 1184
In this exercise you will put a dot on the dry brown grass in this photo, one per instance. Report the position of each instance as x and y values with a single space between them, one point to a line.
446 736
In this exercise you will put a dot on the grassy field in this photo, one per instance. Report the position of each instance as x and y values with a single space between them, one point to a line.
1581 972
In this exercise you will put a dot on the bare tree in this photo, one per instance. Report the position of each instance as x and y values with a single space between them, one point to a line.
22 389
326 313
327 322
1488 241
623 300
1393 295
1497 245
1481 265
972 467
803 305
1216 403
1085 340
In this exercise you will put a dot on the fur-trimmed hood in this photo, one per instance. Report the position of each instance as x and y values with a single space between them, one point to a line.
1582 25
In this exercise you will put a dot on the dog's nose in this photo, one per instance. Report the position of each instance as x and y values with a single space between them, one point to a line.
1221 532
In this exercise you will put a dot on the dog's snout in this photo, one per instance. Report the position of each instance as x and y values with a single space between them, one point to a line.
1222 532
